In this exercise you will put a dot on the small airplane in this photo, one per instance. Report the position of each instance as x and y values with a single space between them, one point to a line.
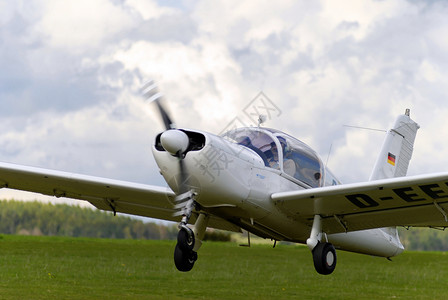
266 182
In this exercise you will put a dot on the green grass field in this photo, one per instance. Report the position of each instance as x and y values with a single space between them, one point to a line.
75 268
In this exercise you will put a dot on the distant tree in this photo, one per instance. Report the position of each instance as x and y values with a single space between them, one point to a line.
424 239
17 217
217 235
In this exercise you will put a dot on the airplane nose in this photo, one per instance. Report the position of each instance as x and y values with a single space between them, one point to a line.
174 141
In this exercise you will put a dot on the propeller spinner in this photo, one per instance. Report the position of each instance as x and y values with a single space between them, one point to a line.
175 141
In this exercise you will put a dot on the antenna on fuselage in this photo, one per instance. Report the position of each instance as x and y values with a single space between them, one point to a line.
365 128
328 156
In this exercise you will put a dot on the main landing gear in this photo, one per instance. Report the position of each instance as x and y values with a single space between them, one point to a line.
324 254
324 257
188 240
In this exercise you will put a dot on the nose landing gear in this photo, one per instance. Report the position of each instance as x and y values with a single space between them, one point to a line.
189 240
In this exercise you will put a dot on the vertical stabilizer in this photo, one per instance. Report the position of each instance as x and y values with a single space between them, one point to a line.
396 153
393 161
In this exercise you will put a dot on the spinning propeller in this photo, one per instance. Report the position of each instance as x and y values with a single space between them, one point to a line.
174 141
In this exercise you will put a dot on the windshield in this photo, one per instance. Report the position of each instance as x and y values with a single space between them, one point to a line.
259 142
300 162
296 159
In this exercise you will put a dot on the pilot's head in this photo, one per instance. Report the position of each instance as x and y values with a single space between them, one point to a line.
274 151
245 141
283 143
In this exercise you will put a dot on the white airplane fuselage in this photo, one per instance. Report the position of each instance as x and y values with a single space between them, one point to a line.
233 182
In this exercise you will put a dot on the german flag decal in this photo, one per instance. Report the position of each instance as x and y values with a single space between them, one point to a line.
391 159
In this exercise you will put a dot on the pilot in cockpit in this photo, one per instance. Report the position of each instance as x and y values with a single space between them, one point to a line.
272 156
245 141
288 164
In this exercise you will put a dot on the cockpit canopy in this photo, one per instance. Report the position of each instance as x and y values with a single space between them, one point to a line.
295 158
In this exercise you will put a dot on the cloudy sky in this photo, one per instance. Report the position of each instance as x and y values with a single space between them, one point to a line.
71 72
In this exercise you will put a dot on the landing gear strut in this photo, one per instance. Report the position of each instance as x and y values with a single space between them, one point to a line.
324 254
188 240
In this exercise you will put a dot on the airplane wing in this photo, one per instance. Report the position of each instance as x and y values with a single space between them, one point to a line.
105 194
405 201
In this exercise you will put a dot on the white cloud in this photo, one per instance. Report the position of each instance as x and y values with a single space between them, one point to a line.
365 14
82 24
149 9
112 140
202 74
324 63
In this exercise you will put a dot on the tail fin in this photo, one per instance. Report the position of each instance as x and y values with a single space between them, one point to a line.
393 160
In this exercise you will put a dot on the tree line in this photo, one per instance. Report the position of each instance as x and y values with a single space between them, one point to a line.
424 239
37 218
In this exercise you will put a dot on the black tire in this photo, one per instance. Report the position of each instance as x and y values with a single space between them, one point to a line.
324 257
184 260
185 240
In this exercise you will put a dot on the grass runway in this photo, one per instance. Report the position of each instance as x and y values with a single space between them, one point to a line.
78 268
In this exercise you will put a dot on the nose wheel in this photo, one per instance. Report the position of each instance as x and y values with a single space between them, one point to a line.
183 259
184 256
